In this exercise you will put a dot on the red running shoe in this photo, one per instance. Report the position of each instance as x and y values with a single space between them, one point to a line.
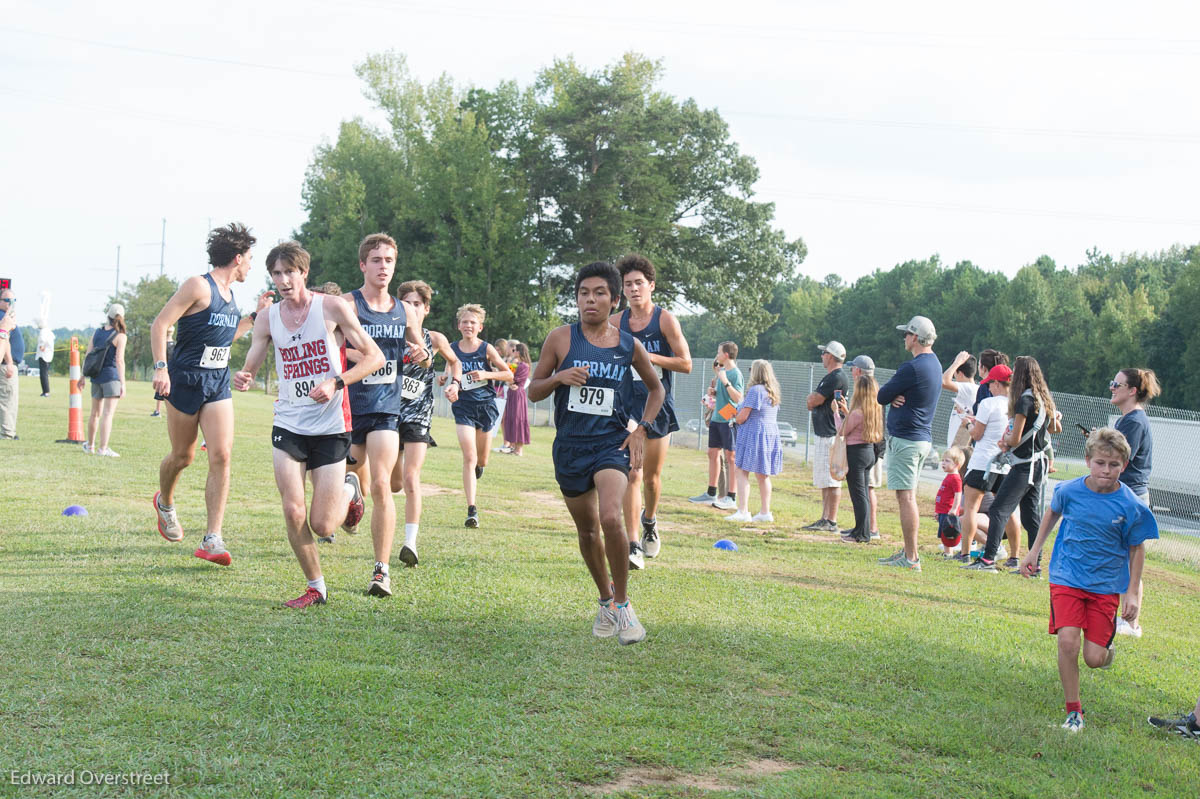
357 508
212 549
310 597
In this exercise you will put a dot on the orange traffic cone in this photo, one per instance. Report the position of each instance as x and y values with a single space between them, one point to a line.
75 406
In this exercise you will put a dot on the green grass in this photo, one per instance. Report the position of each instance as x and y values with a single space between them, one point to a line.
795 667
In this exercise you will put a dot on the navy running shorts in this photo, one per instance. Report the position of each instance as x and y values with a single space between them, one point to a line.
721 435
577 462
664 424
413 433
193 388
480 415
314 451
369 422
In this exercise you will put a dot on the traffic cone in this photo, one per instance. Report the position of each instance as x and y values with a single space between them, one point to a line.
75 406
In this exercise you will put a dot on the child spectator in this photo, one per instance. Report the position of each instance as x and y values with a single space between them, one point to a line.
758 448
948 503
1099 551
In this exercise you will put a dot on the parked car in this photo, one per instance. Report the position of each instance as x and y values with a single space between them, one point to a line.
693 425
787 434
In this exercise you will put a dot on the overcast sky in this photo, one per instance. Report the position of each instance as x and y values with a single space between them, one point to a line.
883 131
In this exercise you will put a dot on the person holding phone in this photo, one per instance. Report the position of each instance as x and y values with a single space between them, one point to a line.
821 405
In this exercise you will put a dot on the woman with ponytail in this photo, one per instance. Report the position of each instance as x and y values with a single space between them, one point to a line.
109 387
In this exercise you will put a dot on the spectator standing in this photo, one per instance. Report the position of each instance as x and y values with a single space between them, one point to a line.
959 377
504 350
722 434
45 354
833 386
865 365
516 410
109 387
913 394
863 428
759 451
985 427
12 357
1131 389
987 359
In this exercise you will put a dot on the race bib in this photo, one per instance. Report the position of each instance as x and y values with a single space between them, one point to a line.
468 383
592 400
214 358
383 375
296 391
411 388
637 378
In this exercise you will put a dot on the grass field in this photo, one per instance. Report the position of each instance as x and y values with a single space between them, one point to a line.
795 667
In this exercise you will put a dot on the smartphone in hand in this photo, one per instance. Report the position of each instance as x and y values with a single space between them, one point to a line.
837 395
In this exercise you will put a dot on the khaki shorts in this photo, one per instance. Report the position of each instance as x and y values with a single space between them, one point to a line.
904 461
875 474
821 476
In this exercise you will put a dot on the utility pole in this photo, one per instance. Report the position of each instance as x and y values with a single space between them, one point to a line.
117 287
162 250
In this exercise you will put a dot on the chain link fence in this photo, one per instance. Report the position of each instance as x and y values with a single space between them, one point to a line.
1174 483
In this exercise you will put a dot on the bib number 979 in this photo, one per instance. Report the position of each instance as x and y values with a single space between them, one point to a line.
592 400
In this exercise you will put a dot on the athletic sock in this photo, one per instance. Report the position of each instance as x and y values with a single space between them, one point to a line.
1074 707
164 508
380 566
410 535
712 491
733 495
318 584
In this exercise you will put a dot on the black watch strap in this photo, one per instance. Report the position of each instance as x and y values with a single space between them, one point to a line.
339 383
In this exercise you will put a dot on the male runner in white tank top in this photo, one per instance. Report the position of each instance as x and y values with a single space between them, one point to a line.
310 431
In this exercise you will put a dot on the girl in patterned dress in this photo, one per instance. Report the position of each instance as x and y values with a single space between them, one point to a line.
758 450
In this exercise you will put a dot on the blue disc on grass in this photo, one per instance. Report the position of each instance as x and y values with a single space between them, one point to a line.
75 510
726 545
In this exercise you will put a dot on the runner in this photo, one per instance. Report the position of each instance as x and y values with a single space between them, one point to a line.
375 402
196 381
416 411
309 432
659 332
475 412
586 367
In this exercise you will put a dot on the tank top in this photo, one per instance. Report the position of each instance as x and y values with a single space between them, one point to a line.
600 408
303 359
416 389
203 339
476 361
655 342
379 392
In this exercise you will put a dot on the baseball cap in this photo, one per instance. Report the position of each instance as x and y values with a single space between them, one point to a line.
835 349
116 309
864 363
998 372
919 326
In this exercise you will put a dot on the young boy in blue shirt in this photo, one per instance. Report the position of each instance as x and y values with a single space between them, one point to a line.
1099 552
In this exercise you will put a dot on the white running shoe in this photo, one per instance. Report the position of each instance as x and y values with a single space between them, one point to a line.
740 516
408 555
605 625
629 629
1125 628
1074 722
724 503
212 549
1002 553
763 517
168 523
88 448
637 555
650 540
107 453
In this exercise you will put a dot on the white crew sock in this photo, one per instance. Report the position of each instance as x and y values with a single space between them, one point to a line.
318 584
410 535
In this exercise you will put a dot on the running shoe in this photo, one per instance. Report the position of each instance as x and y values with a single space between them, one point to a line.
156 413
311 596
819 524
650 540
1184 725
326 539
702 499
479 472
981 565
1012 563
848 537
905 563
1002 553
1125 628
381 583
637 555
629 629
875 535
107 453
724 503
605 625
1112 655
472 517
1074 722
88 448
739 516
168 523
408 555
763 517
357 508
899 553
962 557
212 549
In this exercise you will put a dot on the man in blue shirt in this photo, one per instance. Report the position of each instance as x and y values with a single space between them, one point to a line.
913 394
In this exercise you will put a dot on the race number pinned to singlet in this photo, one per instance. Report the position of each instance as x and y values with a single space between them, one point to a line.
637 378
411 388
296 391
469 383
592 400
385 374
214 358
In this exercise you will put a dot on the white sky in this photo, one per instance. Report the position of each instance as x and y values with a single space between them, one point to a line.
884 131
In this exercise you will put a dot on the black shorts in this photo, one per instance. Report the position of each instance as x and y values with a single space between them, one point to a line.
370 422
987 482
315 451
192 389
576 463
480 415
413 433
721 434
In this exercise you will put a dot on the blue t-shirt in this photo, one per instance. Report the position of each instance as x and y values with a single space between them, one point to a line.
737 383
16 343
1091 551
920 381
1135 426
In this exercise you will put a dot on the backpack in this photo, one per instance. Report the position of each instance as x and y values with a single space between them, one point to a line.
93 362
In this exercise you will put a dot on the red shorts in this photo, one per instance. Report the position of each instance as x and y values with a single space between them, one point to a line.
1095 614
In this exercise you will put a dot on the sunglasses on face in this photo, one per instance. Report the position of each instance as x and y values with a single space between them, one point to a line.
1114 385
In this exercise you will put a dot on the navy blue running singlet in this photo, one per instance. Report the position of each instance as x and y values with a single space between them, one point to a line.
379 392
203 339
655 342
476 361
601 407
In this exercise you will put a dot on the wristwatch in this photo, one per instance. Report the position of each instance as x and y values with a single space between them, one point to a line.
160 364
339 383
647 426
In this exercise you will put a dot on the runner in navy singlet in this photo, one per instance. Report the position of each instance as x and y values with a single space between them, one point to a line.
587 366
196 381
375 400
309 434
661 335
416 411
475 412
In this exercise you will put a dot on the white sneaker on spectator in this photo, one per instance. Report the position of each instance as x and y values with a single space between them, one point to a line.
724 503
740 516
763 517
